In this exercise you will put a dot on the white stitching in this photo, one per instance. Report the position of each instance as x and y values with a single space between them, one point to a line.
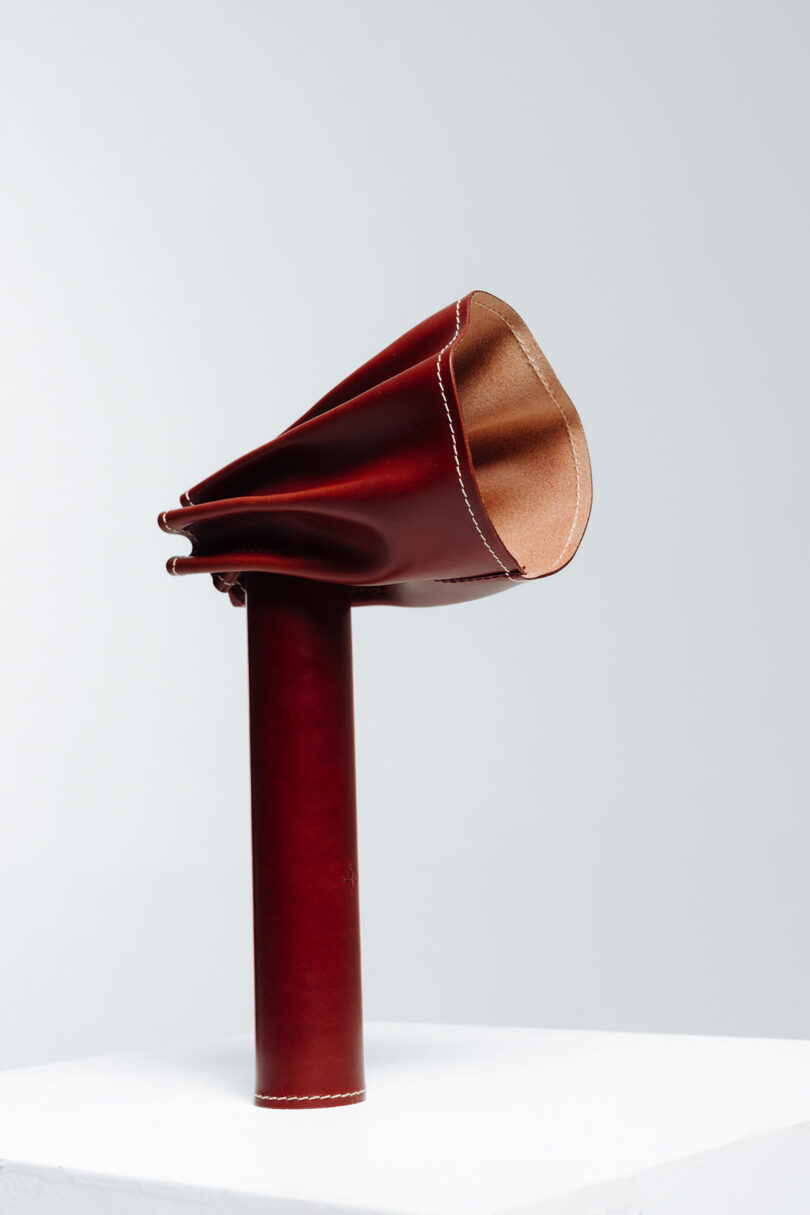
550 392
317 1097
227 584
174 530
470 578
173 565
188 501
455 445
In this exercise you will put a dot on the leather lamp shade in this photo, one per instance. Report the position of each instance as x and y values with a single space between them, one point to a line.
450 466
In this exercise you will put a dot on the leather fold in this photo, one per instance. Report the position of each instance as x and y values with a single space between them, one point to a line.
449 466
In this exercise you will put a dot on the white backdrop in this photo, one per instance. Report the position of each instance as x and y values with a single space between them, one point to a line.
583 803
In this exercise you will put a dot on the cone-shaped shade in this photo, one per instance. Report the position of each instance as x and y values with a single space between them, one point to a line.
450 466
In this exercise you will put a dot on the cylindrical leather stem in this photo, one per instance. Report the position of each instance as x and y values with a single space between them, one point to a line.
309 1025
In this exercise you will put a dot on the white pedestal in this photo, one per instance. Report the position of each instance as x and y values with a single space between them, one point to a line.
458 1121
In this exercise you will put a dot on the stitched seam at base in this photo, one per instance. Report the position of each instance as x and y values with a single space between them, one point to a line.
489 548
563 415
317 1097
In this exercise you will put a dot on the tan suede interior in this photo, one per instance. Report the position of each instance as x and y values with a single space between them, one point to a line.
525 438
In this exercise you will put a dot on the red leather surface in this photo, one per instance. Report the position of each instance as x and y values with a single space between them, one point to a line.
372 488
370 497
309 1026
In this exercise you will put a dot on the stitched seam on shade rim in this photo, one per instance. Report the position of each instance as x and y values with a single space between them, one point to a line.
488 546
317 1097
473 578
563 415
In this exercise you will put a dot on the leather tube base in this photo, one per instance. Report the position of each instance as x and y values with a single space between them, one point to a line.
309 1024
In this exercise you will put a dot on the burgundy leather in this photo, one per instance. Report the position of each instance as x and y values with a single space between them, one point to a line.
401 486
373 488
309 1021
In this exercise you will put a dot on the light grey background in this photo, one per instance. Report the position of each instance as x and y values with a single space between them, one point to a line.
583 803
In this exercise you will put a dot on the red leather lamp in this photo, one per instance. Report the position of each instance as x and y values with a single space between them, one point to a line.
450 466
